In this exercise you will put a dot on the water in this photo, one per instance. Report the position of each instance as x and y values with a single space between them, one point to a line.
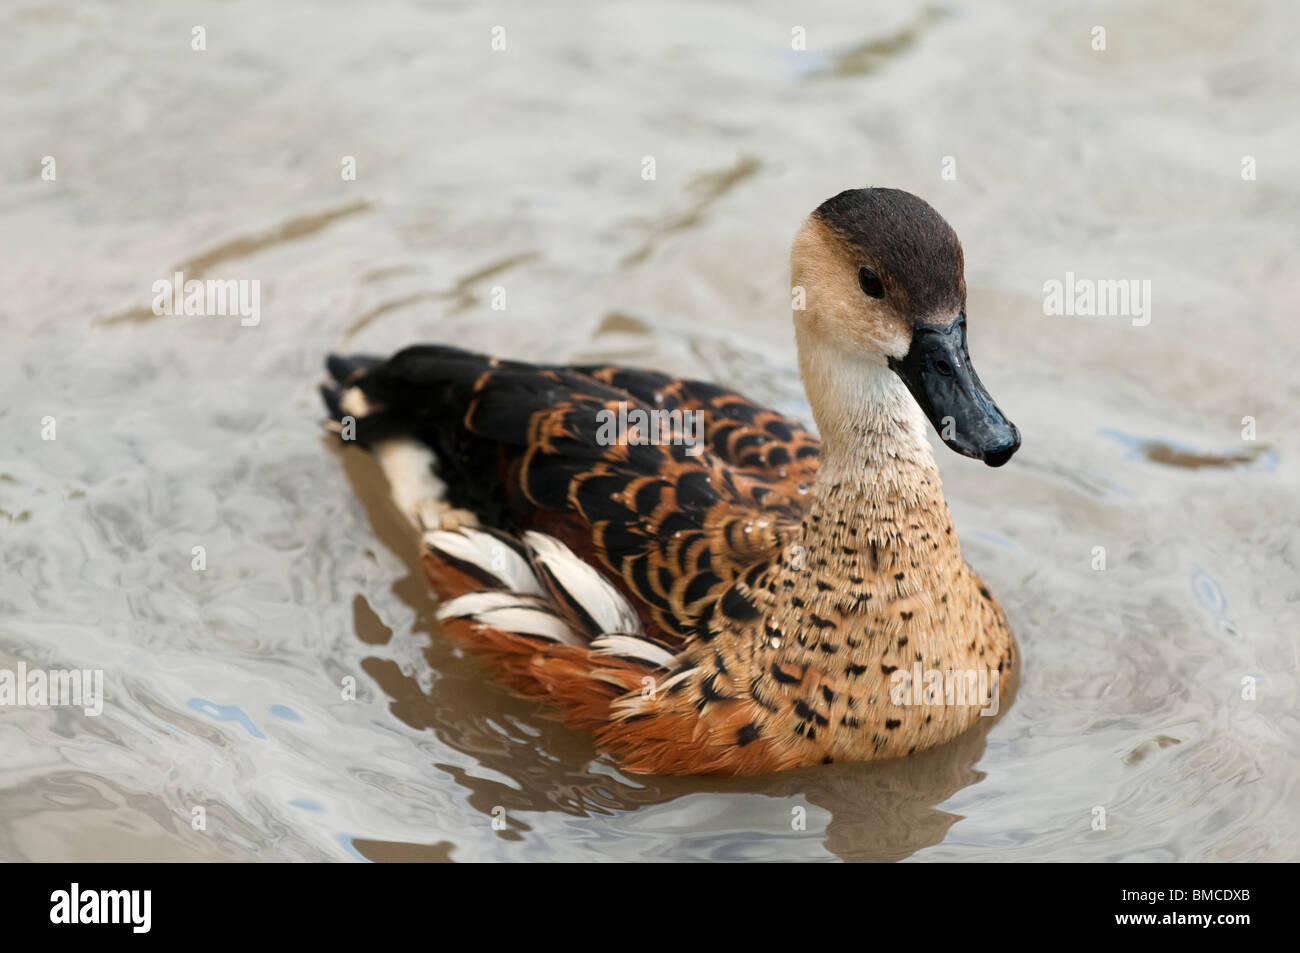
522 169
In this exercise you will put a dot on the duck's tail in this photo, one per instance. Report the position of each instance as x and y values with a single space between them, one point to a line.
343 372
361 413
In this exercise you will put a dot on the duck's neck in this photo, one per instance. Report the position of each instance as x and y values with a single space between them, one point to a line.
872 431
877 475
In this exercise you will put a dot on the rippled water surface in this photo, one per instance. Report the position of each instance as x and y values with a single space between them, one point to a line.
521 169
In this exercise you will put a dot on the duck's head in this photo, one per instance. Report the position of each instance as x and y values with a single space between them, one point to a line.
881 273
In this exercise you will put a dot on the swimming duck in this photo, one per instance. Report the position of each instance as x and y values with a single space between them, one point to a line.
745 602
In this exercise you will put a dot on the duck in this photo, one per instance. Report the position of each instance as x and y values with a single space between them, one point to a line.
741 594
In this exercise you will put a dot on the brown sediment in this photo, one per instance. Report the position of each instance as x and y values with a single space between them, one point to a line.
399 852
459 291
1159 452
1141 751
369 627
202 264
871 55
495 268
387 271
382 309
616 322
709 187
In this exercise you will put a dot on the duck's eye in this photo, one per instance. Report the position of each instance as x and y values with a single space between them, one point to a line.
871 283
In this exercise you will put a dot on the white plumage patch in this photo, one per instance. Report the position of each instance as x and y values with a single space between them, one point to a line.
473 603
354 402
553 595
510 612
625 646
588 589
408 466
488 553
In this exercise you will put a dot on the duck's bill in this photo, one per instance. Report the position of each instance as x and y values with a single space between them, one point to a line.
938 372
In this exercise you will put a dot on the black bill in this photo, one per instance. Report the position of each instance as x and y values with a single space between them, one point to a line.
938 372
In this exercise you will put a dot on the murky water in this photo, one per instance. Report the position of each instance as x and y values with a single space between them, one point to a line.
522 169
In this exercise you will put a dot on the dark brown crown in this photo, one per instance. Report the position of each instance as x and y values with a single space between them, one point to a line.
906 242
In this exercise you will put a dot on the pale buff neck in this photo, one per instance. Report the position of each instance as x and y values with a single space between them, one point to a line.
872 431
877 473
